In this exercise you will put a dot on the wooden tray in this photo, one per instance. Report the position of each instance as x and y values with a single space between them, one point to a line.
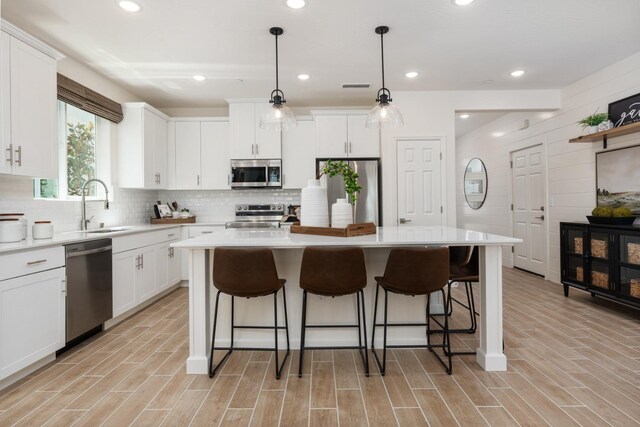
190 220
352 230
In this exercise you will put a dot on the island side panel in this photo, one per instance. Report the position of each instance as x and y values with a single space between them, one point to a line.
490 355
199 311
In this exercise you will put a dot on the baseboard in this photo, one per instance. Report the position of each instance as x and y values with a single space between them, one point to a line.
13 378
124 316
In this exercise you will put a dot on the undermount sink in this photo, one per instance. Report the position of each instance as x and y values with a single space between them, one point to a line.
109 230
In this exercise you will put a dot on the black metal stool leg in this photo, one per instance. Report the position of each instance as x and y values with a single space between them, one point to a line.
446 341
364 326
302 331
213 336
384 338
275 331
375 314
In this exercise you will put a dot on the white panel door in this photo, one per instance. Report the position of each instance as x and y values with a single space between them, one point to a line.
331 136
161 148
243 133
298 159
188 155
174 266
5 102
149 149
528 209
34 112
125 269
268 142
162 258
33 319
146 285
362 141
214 148
419 182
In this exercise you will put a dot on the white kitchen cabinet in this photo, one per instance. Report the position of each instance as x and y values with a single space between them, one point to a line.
125 271
345 136
146 284
298 159
32 325
142 147
247 139
167 266
201 152
29 110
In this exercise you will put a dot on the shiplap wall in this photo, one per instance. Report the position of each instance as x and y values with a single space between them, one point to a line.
570 174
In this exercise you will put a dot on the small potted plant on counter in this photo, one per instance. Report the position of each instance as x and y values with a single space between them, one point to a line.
342 212
595 122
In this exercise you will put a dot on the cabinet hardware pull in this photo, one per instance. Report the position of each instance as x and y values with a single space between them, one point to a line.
198 179
350 148
345 147
169 252
404 220
541 217
159 178
228 179
253 149
207 232
10 150
64 286
257 149
171 235
142 261
19 153
40 261
138 262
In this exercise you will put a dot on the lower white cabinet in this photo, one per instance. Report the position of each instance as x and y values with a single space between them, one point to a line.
145 269
32 321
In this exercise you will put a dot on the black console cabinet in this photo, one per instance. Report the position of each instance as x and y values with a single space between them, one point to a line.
601 259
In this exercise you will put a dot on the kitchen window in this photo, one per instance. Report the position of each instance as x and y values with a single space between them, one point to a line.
83 139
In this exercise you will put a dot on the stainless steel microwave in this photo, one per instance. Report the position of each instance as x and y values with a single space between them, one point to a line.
247 174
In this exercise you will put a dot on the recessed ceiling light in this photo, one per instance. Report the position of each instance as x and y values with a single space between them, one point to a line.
497 134
411 74
199 78
296 4
517 73
303 76
465 116
129 6
462 2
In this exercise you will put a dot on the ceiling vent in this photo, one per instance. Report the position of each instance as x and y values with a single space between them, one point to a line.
356 85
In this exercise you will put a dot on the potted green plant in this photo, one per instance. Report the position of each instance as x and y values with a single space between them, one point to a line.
342 168
591 122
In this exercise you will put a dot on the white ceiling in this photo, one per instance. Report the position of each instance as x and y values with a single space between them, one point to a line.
155 52
475 120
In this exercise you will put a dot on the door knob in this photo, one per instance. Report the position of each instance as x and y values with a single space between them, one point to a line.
404 220
542 208
541 217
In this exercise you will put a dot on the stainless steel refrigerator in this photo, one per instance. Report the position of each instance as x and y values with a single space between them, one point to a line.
367 207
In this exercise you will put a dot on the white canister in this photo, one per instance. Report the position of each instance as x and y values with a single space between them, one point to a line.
42 230
314 205
21 218
10 230
341 214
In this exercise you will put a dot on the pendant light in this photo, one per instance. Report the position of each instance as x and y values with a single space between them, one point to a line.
279 116
384 115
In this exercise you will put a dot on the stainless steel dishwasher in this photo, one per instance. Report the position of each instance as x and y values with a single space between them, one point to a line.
89 287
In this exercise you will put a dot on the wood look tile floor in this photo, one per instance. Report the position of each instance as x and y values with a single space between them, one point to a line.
572 361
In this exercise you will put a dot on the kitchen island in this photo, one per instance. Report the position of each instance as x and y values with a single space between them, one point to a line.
288 248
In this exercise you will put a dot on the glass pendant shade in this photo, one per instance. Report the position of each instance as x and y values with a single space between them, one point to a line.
278 117
384 116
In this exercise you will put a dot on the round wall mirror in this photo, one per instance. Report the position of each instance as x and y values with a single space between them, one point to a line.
475 183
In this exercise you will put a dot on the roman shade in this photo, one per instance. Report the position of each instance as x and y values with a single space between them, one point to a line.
74 93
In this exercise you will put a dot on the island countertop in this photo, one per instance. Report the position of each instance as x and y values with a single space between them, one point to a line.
384 237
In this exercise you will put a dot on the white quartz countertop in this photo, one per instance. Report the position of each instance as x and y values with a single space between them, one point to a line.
70 237
385 237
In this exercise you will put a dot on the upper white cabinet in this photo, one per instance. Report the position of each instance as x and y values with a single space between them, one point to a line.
298 158
248 140
199 153
142 147
28 92
345 135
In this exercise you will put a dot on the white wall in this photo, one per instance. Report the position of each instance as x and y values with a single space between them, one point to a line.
570 173
432 115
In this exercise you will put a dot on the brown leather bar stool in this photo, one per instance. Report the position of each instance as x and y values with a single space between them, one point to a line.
413 271
247 273
334 272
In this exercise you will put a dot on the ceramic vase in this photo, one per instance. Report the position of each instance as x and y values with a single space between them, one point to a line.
341 214
314 208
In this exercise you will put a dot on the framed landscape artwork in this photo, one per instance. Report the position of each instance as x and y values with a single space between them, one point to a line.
618 178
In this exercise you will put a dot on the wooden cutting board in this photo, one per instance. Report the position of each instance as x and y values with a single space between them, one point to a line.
352 230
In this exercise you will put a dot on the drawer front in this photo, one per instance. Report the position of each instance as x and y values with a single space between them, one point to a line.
200 230
140 240
29 262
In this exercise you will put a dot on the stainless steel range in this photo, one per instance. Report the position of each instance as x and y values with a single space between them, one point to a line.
257 216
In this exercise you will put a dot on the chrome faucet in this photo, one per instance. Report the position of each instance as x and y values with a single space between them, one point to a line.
85 221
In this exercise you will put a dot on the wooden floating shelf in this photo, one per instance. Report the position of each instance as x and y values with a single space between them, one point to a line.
190 220
352 230
611 133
